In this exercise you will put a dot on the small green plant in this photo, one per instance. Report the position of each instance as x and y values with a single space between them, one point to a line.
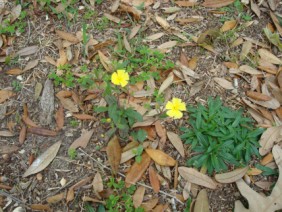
74 123
138 153
121 118
237 9
72 153
17 26
17 86
121 200
101 24
220 137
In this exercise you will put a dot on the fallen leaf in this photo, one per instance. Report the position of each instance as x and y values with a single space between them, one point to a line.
114 153
268 139
136 14
167 45
40 207
154 180
255 8
15 12
115 6
186 190
217 3
5 94
224 83
137 170
22 135
27 51
202 202
41 131
249 70
8 149
43 160
60 118
134 31
105 61
228 25
160 157
126 44
83 116
112 18
258 202
138 196
83 140
254 172
154 36
30 65
166 83
97 183
232 176
56 198
161 21
258 96
186 3
6 133
268 56
267 159
276 22
68 104
149 205
14 71
176 142
187 71
246 48
194 176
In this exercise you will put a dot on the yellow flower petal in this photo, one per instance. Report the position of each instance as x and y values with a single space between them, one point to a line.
174 114
169 105
182 106
115 79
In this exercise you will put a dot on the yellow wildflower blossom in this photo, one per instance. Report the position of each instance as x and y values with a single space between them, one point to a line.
175 107
120 77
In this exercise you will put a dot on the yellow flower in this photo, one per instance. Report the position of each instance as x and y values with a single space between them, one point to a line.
175 107
120 77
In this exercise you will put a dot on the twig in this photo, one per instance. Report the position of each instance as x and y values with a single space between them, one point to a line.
141 184
3 193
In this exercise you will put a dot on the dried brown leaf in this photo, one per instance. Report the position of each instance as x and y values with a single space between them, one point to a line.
126 44
154 180
83 116
27 51
137 170
228 25
43 160
14 71
149 205
166 83
97 183
223 83
8 149
202 202
134 31
267 159
246 48
258 96
114 153
161 21
60 118
186 3
268 56
268 139
56 198
5 94
30 65
22 135
217 3
83 140
160 157
194 176
41 131
67 36
176 142
138 196
232 176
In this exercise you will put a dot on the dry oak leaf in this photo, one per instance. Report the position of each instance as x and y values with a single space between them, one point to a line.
137 170
271 136
5 94
217 3
43 160
160 157
232 176
138 196
83 140
114 153
154 180
223 83
196 177
202 202
67 36
257 202
176 142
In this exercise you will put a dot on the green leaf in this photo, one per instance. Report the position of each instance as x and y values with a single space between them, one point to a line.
266 170
101 109
274 38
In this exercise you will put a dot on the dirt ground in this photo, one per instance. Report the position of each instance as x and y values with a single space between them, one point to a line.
40 25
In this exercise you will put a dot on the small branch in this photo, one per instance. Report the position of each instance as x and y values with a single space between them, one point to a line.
141 184
3 193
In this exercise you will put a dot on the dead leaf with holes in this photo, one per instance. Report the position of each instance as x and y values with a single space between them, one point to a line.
258 202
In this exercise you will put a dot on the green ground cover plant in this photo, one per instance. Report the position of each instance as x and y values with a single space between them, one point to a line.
220 137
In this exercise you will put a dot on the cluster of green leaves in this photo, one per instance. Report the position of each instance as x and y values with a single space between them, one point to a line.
121 200
72 153
18 26
141 61
70 81
220 137
236 9
121 118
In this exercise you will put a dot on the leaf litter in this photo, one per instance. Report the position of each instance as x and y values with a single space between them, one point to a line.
255 60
